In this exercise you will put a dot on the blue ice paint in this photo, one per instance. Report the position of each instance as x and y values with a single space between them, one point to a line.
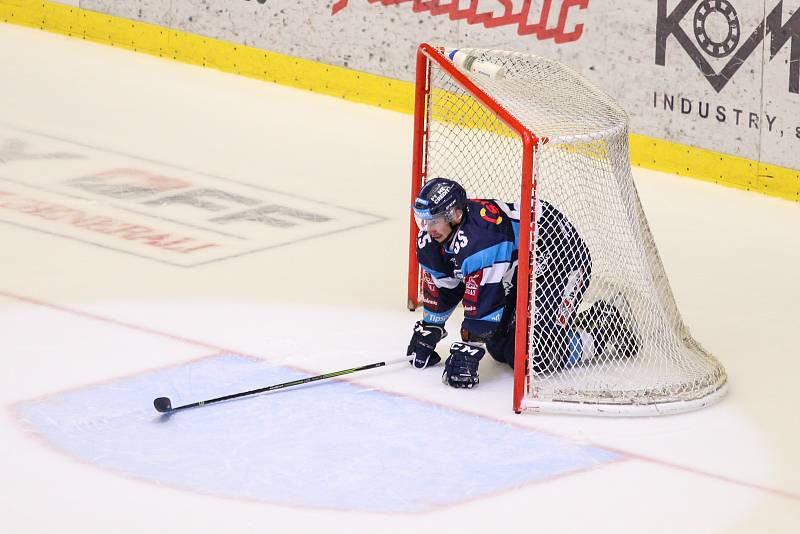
329 444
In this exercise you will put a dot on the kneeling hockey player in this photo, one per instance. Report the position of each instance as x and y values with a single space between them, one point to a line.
467 250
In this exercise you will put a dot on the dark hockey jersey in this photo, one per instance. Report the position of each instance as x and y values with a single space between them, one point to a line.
477 264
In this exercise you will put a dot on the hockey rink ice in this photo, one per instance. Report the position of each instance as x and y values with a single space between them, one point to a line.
288 259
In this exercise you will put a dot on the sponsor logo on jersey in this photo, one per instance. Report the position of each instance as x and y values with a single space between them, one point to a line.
434 318
490 212
429 301
428 282
471 286
495 317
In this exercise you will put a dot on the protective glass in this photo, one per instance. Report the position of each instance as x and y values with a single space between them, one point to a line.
424 222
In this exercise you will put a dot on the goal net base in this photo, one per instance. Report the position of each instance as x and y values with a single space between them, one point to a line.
533 405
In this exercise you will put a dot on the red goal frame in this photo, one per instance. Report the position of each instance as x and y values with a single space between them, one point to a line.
426 56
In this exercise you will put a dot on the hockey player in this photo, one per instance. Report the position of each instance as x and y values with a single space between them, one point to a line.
467 250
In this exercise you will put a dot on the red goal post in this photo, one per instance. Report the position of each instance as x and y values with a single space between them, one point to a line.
530 142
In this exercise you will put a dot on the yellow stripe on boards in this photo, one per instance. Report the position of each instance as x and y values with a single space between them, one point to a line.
732 171
207 52
364 88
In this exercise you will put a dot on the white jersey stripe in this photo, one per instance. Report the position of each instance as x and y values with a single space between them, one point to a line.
494 274
512 209
446 282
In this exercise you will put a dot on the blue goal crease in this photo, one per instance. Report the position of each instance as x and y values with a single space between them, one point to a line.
336 446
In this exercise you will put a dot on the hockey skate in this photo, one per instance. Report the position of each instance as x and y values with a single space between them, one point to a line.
612 326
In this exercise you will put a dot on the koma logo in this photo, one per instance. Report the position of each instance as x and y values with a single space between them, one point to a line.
720 46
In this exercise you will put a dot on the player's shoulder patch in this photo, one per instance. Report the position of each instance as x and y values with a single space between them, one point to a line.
487 212
486 224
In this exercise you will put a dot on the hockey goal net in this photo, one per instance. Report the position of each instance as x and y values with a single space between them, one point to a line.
533 130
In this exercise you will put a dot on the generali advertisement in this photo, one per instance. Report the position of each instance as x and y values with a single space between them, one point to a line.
723 75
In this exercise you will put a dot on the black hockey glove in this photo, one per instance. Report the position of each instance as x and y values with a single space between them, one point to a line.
461 368
421 353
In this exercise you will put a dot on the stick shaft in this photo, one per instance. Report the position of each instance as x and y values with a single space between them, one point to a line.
297 382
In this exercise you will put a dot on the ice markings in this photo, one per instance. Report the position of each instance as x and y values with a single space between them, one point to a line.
327 445
150 209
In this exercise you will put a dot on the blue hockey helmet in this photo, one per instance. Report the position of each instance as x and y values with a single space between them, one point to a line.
440 197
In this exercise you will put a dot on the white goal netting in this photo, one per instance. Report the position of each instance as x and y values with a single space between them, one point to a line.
644 359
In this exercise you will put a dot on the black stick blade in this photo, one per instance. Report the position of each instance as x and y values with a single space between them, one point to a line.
162 404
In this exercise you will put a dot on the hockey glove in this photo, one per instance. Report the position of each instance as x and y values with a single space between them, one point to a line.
421 353
461 368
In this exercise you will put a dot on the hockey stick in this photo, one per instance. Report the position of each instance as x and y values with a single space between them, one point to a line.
164 405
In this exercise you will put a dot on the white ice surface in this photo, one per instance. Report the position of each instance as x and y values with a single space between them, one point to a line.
73 315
